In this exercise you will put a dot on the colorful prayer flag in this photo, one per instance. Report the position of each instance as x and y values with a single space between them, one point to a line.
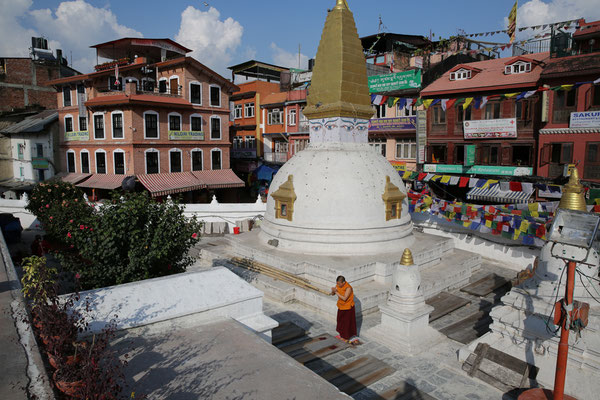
512 22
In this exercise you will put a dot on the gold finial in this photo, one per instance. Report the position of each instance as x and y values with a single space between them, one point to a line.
407 258
339 86
573 197
341 4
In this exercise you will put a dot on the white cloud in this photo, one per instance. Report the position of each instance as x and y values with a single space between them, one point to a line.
537 12
212 40
284 58
75 26
15 39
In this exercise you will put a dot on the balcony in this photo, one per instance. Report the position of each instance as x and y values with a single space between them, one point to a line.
277 157
249 153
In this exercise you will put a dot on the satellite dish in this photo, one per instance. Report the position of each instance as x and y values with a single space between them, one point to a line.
128 184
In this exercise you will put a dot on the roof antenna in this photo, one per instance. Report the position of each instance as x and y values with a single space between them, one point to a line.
382 27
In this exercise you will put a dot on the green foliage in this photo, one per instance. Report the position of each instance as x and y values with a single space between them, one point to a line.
38 280
55 204
131 238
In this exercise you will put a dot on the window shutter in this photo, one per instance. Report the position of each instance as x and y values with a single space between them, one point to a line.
545 155
505 156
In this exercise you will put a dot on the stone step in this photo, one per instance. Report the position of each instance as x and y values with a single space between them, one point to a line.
452 272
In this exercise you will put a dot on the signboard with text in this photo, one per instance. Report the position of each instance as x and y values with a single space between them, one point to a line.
587 119
186 135
490 128
399 166
398 81
421 135
477 169
77 136
39 163
470 155
397 124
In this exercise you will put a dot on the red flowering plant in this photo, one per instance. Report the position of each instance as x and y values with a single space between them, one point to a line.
131 237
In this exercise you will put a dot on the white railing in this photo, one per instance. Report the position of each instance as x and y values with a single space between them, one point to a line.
279 157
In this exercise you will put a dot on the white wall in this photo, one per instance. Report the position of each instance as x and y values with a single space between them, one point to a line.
29 151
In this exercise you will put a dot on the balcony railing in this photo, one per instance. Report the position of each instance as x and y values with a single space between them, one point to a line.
278 157
112 91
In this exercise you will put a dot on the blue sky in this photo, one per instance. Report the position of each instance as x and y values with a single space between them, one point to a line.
226 32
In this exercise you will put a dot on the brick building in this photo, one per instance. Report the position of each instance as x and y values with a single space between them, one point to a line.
151 112
571 113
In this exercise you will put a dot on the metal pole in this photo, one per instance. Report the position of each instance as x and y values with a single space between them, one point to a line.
563 347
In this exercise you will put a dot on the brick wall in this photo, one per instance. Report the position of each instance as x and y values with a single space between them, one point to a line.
21 86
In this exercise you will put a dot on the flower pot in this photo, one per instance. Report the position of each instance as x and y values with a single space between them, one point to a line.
70 360
68 388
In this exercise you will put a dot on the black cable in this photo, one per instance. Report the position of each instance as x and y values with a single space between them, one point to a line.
589 277
585 287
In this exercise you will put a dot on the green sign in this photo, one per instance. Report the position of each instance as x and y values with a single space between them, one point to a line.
470 155
39 163
478 169
398 81
76 136
186 135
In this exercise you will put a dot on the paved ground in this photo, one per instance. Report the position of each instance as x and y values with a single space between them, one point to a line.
13 360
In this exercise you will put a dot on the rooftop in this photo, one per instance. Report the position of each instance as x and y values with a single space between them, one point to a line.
128 47
584 64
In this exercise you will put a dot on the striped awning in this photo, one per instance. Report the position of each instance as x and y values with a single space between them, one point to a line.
169 183
103 181
72 178
219 179
495 195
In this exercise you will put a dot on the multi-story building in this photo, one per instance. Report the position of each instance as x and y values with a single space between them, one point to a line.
484 116
247 122
150 112
571 111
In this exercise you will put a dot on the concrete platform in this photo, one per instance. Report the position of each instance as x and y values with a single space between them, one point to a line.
182 359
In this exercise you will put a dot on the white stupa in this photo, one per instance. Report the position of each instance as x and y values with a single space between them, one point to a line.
338 196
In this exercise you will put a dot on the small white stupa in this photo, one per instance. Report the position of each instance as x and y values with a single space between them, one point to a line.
338 196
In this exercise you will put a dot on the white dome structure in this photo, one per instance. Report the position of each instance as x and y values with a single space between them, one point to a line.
338 196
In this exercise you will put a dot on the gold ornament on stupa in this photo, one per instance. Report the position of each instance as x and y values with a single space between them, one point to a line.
339 86
573 197
407 258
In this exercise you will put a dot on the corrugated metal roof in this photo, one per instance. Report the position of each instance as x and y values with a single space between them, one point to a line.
35 123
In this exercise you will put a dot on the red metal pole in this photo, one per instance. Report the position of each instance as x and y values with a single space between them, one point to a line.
563 347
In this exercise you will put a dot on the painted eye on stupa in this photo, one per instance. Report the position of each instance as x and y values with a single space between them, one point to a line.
316 128
361 128
347 128
330 127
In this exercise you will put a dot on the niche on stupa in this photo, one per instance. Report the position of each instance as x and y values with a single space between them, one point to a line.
392 199
284 198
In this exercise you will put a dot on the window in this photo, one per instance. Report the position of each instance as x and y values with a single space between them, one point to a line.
489 154
292 118
85 162
215 128
174 85
66 96
152 165
70 161
522 155
492 111
215 159
237 142
99 126
162 85
39 150
517 68
174 122
117 125
119 161
381 110
249 110
406 149
439 116
196 160
100 162
463 115
237 111
459 154
591 168
151 125
83 124
562 153
68 124
274 116
407 111
175 161
460 75
522 110
21 151
196 123
564 103
195 93
250 142
437 153
148 84
215 96
379 145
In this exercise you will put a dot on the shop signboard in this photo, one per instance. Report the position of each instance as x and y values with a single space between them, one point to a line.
397 124
39 163
478 169
399 166
469 155
397 81
490 128
74 136
421 135
186 135
586 119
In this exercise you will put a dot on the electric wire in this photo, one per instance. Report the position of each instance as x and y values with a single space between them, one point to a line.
547 320
585 287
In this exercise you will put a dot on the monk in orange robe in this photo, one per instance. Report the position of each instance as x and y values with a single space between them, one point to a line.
346 315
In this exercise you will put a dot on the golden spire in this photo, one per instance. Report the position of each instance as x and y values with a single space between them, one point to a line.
339 86
573 197
407 258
